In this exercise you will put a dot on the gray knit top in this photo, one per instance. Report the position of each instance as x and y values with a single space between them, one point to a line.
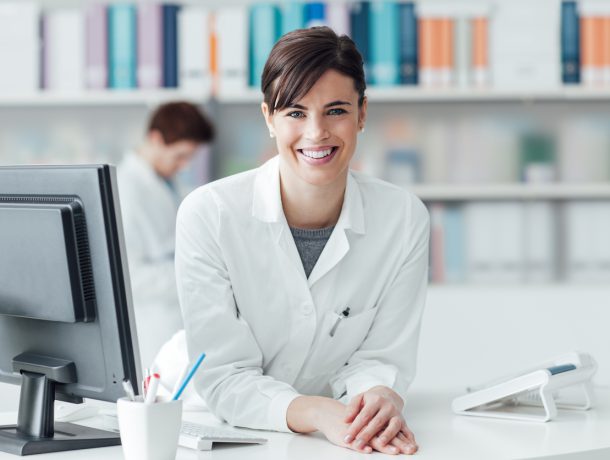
310 243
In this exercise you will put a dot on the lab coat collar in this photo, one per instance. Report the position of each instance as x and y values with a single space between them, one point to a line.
267 207
267 201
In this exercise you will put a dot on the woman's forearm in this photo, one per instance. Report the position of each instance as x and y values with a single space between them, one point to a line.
306 413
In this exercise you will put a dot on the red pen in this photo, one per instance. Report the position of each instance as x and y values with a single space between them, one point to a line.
153 386
145 382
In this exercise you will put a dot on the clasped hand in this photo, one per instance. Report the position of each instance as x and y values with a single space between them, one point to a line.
376 422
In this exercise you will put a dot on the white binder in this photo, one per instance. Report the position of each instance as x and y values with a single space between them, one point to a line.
515 397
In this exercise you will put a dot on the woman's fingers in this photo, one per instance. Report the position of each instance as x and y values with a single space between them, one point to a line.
390 432
366 414
408 433
375 426
353 408
384 448
405 444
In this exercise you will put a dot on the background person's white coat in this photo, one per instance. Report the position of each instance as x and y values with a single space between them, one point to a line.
149 208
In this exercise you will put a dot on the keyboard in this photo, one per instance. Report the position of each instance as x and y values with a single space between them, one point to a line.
201 437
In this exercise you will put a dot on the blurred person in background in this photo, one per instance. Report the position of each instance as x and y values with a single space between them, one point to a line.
150 194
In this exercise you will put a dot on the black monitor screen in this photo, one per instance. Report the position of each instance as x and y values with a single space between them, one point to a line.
64 291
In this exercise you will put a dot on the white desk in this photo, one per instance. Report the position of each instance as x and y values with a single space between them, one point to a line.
440 434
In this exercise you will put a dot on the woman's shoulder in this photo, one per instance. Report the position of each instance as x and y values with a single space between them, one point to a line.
385 195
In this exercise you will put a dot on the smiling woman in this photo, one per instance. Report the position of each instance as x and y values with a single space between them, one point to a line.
304 281
316 139
315 107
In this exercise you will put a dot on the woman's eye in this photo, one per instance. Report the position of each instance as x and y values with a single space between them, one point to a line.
296 114
337 111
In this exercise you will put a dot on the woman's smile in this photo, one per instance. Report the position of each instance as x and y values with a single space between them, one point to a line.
318 155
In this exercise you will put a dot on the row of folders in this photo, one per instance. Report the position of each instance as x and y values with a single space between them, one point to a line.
148 45
514 242
585 42
475 150
511 45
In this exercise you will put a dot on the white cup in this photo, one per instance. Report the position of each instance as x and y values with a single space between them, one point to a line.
149 431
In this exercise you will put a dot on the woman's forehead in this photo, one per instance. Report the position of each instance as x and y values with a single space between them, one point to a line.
330 87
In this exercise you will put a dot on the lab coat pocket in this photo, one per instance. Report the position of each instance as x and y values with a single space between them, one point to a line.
330 353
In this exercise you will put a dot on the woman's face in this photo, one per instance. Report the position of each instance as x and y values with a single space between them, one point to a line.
316 136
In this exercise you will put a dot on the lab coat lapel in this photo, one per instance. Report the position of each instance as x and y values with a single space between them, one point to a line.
335 249
337 246
267 207
286 242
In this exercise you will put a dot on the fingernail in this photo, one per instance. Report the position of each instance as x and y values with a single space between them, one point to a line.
368 449
359 444
348 438
393 449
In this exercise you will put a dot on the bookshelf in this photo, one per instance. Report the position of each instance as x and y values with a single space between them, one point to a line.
92 98
392 95
58 126
512 192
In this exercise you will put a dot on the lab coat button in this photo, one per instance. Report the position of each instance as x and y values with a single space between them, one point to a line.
307 309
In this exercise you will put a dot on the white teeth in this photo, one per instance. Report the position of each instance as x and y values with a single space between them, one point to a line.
317 154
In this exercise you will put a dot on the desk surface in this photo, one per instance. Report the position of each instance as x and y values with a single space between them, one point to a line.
440 434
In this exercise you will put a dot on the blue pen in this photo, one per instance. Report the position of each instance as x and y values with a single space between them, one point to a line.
189 377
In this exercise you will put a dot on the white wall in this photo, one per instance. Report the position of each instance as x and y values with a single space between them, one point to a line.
9 397
471 336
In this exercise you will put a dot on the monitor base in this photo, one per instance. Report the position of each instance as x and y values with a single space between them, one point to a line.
68 436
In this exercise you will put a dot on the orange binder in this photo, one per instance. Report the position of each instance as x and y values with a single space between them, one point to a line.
480 50
426 51
444 51
591 34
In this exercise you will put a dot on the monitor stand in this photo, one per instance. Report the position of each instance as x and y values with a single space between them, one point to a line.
36 432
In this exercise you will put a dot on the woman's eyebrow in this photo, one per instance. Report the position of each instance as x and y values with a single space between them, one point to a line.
330 104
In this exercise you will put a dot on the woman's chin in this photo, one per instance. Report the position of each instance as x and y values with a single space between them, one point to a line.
321 178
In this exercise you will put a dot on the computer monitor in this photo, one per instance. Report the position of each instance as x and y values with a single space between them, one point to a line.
67 328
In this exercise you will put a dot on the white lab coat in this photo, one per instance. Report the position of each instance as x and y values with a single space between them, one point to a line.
149 208
266 328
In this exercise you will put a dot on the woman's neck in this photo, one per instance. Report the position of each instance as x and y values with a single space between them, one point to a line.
311 206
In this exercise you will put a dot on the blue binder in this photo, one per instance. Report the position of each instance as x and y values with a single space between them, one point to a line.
359 21
292 16
570 42
315 14
265 25
170 46
122 46
385 53
454 240
408 44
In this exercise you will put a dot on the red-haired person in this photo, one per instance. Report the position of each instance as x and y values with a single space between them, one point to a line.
150 195
302 280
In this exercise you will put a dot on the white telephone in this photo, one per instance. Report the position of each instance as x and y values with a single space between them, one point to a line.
516 397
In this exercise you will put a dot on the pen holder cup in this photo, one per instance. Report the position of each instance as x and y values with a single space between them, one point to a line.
149 431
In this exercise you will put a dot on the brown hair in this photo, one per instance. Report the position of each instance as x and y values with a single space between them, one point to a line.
299 59
181 121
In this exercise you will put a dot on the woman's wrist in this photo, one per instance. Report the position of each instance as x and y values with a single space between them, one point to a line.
306 414
301 414
389 394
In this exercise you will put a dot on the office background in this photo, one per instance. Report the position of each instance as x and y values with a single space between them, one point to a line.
495 113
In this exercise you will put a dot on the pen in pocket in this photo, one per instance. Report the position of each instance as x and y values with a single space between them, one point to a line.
344 314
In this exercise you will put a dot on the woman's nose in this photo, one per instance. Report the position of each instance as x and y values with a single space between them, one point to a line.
316 129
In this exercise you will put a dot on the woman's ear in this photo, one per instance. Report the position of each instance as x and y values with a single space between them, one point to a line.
266 114
268 118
